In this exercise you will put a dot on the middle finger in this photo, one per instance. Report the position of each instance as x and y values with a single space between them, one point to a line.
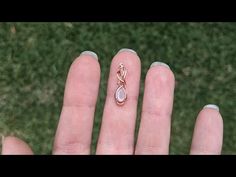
118 124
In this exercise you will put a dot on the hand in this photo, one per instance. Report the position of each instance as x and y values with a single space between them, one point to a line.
73 135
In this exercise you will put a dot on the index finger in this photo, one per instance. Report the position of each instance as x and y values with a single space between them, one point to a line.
74 130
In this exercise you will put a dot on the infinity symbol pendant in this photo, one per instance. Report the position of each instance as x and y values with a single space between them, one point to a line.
120 94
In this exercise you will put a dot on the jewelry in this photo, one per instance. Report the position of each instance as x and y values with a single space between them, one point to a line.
120 95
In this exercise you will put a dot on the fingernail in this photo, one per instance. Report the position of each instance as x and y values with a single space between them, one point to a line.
93 54
212 106
157 63
127 50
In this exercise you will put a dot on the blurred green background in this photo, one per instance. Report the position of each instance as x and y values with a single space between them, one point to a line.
35 58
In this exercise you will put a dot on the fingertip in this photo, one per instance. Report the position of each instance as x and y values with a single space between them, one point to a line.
84 69
87 59
160 72
85 66
12 146
128 56
211 112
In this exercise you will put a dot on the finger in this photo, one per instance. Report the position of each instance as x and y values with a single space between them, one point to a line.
154 131
74 130
118 123
15 146
208 132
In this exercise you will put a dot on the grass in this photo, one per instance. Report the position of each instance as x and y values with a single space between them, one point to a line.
35 58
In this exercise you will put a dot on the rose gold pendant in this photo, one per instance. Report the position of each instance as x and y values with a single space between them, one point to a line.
121 95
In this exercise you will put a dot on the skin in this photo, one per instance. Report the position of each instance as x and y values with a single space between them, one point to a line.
73 135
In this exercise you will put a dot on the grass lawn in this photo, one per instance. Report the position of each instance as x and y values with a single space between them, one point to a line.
35 58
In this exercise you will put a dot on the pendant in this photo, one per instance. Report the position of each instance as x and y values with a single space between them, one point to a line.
120 94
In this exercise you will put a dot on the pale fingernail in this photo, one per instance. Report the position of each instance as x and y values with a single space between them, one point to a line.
212 106
127 50
93 54
157 63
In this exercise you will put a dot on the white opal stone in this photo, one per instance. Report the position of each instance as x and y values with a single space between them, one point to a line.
120 94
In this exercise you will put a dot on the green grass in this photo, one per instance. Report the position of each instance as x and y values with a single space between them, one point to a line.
35 58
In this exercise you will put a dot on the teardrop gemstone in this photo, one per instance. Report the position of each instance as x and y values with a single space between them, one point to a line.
120 95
